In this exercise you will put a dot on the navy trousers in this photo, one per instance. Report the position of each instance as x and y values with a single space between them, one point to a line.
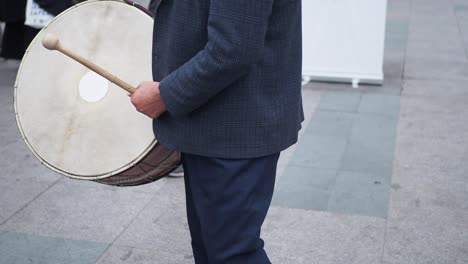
227 201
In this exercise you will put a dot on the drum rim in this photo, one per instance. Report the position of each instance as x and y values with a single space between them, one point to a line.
25 139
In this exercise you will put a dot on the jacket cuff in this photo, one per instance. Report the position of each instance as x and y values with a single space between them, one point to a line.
168 89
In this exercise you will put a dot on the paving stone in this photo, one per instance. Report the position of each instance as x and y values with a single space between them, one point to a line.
460 5
304 237
22 176
430 157
162 224
446 155
395 43
396 32
432 132
8 128
331 124
24 248
422 13
440 106
426 7
393 66
371 145
361 194
283 162
384 104
305 188
311 98
8 70
20 185
394 56
131 255
432 102
374 126
462 18
324 152
397 26
437 88
420 233
428 209
340 101
425 26
436 69
399 8
430 186
390 86
465 36
81 213
428 28
436 49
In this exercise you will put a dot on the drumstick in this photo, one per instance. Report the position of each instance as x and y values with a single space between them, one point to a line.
52 42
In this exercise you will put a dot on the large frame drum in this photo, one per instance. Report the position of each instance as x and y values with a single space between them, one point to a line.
79 124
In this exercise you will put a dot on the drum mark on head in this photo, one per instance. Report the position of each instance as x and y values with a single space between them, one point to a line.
67 136
97 34
70 128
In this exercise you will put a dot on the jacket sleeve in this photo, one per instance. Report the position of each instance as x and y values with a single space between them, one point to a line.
236 34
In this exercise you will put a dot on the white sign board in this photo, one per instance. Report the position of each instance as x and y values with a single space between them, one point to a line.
36 17
343 40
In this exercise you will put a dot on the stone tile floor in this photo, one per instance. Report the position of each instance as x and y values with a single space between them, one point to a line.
379 176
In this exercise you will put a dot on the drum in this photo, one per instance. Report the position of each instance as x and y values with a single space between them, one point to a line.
78 123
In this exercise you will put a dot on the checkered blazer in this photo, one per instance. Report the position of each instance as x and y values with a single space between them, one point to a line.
230 76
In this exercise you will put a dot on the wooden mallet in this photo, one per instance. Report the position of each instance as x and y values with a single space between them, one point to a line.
52 42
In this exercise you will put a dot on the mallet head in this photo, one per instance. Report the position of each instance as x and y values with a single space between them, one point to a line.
50 42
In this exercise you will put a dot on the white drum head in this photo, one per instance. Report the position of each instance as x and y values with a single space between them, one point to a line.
75 122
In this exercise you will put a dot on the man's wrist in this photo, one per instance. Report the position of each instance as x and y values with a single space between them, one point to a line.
159 98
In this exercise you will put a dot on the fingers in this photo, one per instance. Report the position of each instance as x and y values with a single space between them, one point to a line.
140 85
135 98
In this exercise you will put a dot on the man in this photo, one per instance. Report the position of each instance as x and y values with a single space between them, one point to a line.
227 94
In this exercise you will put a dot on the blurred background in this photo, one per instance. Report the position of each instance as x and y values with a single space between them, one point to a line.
379 175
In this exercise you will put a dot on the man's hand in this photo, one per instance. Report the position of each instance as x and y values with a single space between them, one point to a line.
147 99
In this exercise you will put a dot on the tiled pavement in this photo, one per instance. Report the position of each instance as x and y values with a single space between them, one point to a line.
348 148
379 175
